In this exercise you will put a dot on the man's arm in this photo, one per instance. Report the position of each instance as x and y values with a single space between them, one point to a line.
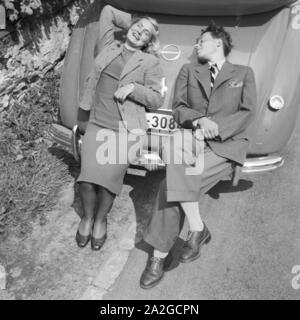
238 122
183 112
110 18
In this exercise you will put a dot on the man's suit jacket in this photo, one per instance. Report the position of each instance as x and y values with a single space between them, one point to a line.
231 104
142 69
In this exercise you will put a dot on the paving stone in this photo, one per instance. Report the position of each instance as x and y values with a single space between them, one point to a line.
126 244
132 228
2 278
111 269
93 293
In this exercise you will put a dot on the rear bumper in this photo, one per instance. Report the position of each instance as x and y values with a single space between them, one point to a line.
262 164
61 135
70 139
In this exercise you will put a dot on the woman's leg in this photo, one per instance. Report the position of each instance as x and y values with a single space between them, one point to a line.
106 200
88 196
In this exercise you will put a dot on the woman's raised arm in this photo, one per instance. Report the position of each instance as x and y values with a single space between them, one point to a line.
110 19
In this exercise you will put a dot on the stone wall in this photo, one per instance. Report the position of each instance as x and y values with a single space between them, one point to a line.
33 45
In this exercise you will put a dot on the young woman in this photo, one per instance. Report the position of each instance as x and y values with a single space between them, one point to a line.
125 81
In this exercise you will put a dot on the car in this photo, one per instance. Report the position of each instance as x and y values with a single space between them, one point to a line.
266 36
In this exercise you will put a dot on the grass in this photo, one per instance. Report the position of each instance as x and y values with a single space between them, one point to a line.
31 175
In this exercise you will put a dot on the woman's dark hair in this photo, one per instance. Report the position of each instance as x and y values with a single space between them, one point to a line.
218 32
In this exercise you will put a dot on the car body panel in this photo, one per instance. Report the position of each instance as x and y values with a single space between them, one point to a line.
269 42
201 7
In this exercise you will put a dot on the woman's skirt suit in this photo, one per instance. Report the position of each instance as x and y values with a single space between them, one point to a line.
115 127
106 122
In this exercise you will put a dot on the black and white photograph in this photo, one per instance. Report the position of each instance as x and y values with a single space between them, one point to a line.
149 151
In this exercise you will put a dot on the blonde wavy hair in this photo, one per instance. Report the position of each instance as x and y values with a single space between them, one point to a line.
152 46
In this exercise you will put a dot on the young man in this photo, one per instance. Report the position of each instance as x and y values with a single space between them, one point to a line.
219 98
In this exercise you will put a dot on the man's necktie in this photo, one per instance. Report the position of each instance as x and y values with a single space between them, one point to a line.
213 74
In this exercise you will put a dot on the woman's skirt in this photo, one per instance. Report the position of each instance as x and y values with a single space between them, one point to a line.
106 155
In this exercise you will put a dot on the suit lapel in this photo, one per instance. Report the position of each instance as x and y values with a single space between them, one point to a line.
202 74
224 75
134 62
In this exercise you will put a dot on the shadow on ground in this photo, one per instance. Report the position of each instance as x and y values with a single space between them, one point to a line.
143 196
144 189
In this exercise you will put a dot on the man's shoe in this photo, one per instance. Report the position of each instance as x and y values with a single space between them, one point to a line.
153 273
192 247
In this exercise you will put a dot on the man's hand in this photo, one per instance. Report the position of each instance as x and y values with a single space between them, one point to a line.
122 93
151 166
209 127
198 134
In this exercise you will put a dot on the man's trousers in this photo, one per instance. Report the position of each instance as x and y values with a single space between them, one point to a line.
164 227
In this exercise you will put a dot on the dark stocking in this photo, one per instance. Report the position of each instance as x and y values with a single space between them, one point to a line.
106 200
88 198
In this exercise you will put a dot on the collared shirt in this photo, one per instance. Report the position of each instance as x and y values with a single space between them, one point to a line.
218 63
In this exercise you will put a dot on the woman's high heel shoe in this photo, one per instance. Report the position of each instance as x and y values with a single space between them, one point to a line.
81 240
96 244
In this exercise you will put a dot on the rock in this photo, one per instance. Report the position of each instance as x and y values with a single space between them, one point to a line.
5 101
2 278
39 50
16 272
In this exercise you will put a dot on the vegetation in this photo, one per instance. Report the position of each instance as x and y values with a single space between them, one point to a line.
32 169
30 175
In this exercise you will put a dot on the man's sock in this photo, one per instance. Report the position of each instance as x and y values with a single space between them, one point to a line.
159 254
191 210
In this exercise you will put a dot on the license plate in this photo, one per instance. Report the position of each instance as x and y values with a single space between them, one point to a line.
161 121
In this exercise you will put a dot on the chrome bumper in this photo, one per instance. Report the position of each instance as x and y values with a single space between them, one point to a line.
262 164
61 135
71 140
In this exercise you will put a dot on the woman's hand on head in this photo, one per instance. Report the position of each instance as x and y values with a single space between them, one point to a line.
122 93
